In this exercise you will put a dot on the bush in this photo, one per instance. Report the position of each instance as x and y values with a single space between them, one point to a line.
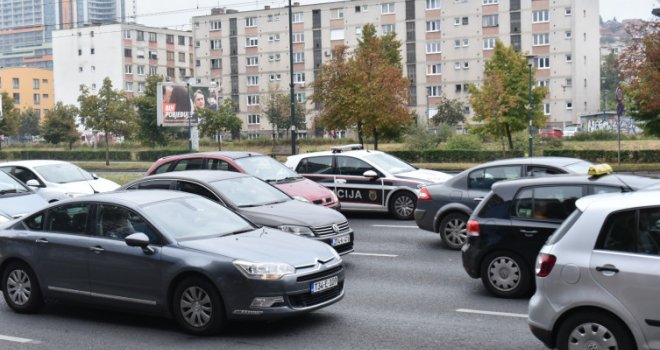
451 156
66 155
421 139
467 142
598 135
154 155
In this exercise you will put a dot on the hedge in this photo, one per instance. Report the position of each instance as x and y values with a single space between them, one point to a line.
602 156
65 155
452 156
153 155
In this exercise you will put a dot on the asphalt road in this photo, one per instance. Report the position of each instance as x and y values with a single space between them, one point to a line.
403 291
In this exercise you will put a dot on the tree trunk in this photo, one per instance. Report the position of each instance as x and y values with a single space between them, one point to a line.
107 149
359 127
508 135
375 139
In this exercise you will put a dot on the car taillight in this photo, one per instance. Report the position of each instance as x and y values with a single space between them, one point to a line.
544 264
473 228
424 195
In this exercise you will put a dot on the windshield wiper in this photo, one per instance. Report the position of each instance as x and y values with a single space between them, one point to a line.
240 231
12 190
249 205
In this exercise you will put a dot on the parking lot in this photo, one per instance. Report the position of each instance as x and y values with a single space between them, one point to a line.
403 291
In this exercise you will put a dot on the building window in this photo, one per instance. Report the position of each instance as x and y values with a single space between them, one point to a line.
169 39
466 65
298 78
91 51
127 34
170 72
254 119
198 63
432 4
569 58
153 37
300 97
543 62
297 17
387 8
129 86
275 77
35 84
434 91
216 44
80 69
298 37
181 40
569 105
541 39
569 82
298 57
337 34
274 57
568 11
170 55
252 60
337 13
543 83
216 63
79 52
457 65
489 43
182 57
252 100
140 87
251 42
139 53
434 69
489 2
490 21
140 70
433 26
568 34
546 109
250 21
128 69
274 17
153 70
433 47
17 98
466 42
540 16
140 35
44 81
153 55
215 25
45 96
128 53
252 80
387 28
274 37
37 99
361 8
457 43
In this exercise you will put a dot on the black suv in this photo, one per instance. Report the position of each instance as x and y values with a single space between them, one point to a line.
509 227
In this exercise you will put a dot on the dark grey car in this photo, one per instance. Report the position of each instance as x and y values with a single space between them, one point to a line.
260 202
446 207
166 252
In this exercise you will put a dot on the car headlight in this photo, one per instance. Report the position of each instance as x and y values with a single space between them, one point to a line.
263 271
302 199
297 230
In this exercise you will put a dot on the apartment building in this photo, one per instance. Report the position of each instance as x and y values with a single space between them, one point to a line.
126 53
26 27
444 47
30 87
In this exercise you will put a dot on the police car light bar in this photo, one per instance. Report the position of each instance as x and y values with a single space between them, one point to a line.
351 147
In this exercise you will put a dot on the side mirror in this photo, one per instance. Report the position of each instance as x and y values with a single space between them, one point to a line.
370 173
33 183
139 239
94 176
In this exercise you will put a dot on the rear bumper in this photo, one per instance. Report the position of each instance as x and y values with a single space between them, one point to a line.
424 221
470 257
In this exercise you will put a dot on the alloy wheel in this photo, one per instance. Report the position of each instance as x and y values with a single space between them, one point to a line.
404 206
456 232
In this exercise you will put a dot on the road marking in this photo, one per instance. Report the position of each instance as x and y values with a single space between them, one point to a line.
374 254
18 340
492 313
395 226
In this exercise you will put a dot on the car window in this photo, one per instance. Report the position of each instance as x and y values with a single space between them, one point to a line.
70 218
35 222
162 168
116 222
266 168
190 187
618 232
565 226
63 173
24 175
352 166
249 192
9 185
219 164
315 165
483 179
545 203
153 185
535 170
605 189
389 163
648 239
494 207
189 164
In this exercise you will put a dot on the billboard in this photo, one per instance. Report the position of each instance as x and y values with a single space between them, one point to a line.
177 103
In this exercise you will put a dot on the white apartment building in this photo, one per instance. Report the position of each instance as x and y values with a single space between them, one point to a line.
444 47
126 53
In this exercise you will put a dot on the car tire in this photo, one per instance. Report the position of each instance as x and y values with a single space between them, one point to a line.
197 306
21 288
453 230
505 275
402 205
593 330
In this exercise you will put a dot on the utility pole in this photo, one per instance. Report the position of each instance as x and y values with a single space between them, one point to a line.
291 86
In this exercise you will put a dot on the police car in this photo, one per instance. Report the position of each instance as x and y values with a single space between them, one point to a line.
367 180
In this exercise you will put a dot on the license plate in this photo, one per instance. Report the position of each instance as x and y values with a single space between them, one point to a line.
341 240
328 283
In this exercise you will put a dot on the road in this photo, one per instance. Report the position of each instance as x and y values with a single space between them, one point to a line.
403 291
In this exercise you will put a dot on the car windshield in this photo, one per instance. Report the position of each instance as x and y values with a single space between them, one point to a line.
267 169
195 217
9 185
581 167
249 192
62 173
390 164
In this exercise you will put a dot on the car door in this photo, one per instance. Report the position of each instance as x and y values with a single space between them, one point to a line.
536 212
118 272
356 190
319 169
62 244
481 180
625 263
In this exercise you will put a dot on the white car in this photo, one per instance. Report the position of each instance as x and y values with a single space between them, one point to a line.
56 180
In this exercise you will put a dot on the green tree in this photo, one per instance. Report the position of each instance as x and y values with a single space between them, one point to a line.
149 133
450 112
109 111
609 74
502 102
218 122
28 124
60 125
277 109
9 118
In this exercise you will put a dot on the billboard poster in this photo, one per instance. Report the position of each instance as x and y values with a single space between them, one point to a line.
177 103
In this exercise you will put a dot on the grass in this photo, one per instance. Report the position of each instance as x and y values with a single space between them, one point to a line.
121 178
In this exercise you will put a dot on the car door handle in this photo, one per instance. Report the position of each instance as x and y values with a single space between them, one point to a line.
97 249
41 241
340 181
529 233
607 268
478 199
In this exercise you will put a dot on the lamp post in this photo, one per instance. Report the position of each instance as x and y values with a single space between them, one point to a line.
530 59
291 86
189 121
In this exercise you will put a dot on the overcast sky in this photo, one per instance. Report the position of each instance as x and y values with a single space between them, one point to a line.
177 13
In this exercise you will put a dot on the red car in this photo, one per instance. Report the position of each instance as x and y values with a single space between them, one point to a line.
255 164
551 133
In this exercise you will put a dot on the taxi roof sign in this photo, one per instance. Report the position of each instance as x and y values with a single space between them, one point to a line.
600 169
351 147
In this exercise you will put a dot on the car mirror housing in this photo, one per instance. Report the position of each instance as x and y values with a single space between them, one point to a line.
33 183
370 173
137 239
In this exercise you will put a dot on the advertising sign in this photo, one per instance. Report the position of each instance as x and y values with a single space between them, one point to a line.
177 103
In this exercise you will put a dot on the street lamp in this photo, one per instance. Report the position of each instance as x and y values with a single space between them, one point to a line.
530 60
188 80
291 86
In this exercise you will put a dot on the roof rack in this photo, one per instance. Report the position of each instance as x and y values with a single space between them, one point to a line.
351 147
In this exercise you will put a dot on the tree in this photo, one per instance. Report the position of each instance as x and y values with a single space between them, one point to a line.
149 132
502 102
109 111
28 124
277 109
640 70
60 125
609 73
220 121
9 118
450 112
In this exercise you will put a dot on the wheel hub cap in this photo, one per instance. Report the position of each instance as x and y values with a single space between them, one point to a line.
19 287
592 336
196 307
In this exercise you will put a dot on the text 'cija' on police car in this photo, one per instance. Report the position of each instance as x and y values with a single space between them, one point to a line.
367 180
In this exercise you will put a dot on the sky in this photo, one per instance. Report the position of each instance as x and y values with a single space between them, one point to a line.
177 13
